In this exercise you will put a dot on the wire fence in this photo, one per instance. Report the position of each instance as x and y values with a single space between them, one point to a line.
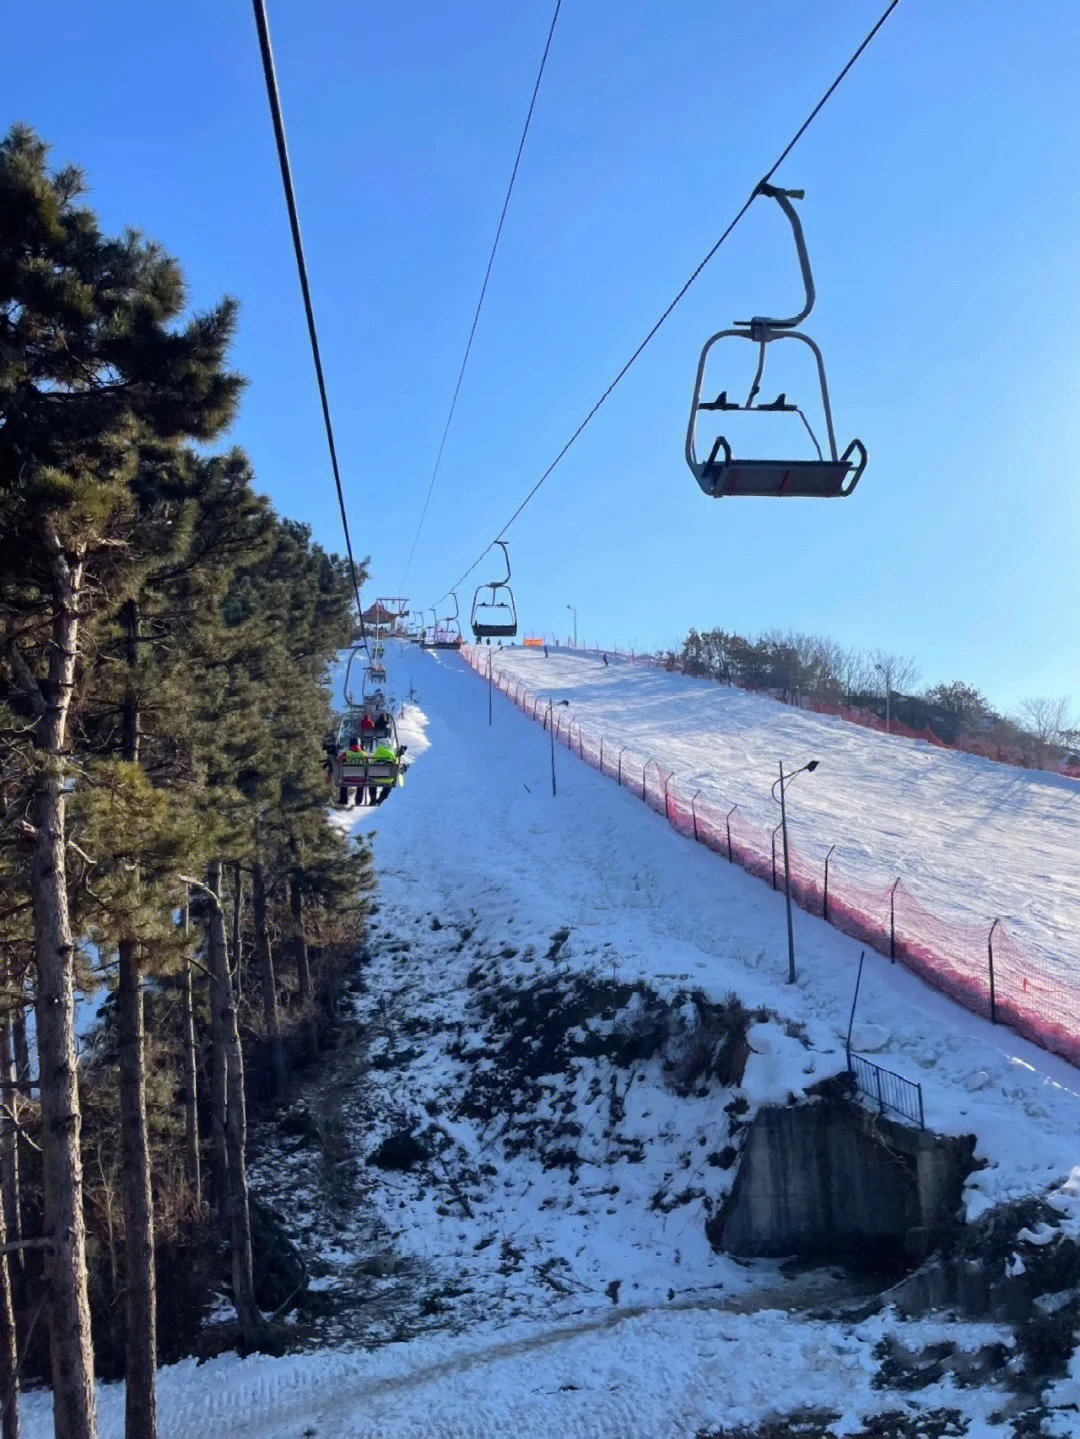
984 968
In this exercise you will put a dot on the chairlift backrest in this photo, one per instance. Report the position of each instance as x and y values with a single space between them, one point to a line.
720 474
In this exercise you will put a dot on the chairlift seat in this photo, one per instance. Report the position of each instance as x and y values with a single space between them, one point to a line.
483 630
721 475
383 771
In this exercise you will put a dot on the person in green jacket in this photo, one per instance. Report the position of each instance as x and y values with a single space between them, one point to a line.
378 789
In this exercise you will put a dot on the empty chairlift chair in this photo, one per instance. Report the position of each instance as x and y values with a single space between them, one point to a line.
376 670
494 614
721 473
354 678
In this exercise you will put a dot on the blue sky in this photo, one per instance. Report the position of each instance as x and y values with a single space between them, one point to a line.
942 214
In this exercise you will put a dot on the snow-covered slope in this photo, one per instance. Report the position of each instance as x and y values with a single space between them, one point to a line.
971 839
475 830
475 840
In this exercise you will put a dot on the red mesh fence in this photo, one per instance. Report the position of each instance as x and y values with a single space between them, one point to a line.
987 971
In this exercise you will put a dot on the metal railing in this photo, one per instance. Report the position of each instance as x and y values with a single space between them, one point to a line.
887 1091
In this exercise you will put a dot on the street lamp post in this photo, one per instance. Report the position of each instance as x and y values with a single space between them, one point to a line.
574 608
886 673
551 733
783 782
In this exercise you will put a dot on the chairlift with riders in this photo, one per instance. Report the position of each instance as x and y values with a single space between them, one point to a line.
720 473
446 633
363 754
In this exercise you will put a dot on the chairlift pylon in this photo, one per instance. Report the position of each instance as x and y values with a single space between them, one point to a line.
495 617
721 473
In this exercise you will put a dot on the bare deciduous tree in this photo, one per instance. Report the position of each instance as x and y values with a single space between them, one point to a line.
1047 721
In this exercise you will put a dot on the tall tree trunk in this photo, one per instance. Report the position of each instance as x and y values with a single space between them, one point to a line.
9 1351
265 961
191 1074
237 1208
9 1141
237 908
303 963
218 965
303 968
140 1396
140 1393
69 1309
71 1348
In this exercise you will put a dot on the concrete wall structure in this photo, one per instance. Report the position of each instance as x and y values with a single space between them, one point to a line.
829 1179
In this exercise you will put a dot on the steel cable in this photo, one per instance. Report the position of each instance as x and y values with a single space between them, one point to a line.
784 153
483 292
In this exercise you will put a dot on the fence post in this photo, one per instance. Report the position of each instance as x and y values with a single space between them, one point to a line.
644 767
990 960
772 850
601 754
854 1002
693 812
580 744
880 1099
621 753
825 892
667 807
727 822
892 921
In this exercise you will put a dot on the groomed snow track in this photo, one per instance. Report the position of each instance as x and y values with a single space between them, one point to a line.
958 835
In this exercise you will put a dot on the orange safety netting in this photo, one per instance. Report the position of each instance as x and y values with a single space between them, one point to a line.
987 971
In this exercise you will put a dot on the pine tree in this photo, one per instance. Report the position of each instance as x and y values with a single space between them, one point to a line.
93 370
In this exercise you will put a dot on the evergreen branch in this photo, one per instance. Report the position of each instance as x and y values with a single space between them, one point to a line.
214 898
13 1246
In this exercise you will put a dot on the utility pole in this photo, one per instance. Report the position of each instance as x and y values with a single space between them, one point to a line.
780 784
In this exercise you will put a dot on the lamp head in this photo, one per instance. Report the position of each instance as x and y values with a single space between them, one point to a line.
812 766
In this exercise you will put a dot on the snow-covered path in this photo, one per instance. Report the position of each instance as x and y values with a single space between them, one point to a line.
663 1375
971 839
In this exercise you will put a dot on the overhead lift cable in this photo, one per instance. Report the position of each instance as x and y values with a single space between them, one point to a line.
483 292
274 99
765 180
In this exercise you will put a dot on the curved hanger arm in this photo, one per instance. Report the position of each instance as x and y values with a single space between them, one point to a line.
506 560
764 323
